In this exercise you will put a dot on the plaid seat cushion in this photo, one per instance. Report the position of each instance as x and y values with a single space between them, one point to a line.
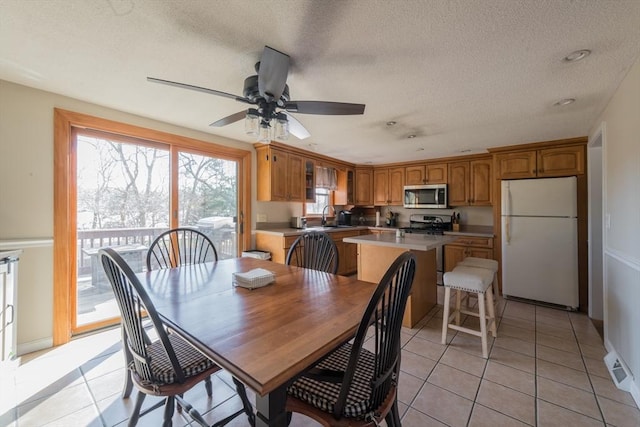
323 395
191 360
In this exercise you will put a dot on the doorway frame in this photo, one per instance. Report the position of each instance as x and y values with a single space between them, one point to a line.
64 201
597 143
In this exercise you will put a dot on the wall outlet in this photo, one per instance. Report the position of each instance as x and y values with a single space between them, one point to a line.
607 221
261 218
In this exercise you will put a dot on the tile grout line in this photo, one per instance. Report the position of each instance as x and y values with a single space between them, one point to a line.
595 396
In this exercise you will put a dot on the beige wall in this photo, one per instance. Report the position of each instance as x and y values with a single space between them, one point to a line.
621 174
26 192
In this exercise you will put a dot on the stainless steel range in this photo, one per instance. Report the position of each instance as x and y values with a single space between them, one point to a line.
428 224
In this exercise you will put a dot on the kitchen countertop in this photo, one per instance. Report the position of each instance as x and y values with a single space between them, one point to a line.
465 230
418 242
473 230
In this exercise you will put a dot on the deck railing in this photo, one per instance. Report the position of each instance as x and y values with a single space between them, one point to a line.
90 240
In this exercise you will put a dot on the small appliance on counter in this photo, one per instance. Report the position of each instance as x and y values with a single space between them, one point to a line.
344 218
298 222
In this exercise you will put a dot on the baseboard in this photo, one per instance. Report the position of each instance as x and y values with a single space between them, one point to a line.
635 393
37 345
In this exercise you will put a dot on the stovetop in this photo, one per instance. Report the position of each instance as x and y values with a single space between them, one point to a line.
426 224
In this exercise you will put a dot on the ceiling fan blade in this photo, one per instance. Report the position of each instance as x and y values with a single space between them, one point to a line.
296 128
230 119
199 89
272 75
323 107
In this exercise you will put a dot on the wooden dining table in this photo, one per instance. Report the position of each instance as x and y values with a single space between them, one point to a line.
266 336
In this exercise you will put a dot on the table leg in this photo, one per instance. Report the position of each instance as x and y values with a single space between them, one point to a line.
271 409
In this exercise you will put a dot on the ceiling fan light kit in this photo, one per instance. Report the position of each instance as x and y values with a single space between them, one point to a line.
269 92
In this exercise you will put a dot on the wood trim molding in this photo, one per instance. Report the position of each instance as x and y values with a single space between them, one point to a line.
539 145
64 228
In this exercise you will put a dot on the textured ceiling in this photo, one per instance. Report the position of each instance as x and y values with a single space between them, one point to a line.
460 74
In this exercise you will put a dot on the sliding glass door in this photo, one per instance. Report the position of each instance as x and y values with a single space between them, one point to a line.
127 192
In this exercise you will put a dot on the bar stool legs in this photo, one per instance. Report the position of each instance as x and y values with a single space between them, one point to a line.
471 280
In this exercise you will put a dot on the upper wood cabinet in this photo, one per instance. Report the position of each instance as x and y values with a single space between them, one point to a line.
280 175
364 187
470 183
435 173
388 186
310 180
345 194
546 162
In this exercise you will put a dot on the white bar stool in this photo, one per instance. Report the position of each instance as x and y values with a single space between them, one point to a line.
489 264
471 280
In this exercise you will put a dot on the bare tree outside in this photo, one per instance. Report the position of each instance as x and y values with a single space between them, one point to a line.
123 201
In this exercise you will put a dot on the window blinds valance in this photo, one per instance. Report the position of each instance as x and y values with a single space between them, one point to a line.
326 178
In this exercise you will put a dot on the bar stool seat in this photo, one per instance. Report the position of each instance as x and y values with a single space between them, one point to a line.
473 280
489 264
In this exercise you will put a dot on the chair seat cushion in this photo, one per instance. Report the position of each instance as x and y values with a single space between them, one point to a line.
470 279
323 395
191 360
489 264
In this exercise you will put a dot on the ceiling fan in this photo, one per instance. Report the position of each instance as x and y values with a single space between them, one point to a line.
269 92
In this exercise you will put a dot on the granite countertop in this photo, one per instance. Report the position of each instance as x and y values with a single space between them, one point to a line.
473 230
418 242
288 231
465 230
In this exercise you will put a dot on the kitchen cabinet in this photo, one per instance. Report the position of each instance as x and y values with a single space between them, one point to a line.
278 246
345 194
309 181
280 175
479 247
470 183
388 186
364 187
545 162
435 173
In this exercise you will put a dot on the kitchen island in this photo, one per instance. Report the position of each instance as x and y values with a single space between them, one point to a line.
376 252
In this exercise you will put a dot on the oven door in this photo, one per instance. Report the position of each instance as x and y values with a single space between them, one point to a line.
439 265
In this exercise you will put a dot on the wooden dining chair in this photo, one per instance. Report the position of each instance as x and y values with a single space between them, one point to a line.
167 366
352 385
170 249
315 250
180 246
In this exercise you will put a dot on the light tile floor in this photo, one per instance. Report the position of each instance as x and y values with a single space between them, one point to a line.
544 369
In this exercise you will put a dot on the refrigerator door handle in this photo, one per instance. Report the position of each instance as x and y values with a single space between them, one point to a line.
508 214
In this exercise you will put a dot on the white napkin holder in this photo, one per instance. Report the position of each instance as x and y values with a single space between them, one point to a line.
256 278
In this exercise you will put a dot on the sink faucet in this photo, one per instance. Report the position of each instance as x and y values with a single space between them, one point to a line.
324 218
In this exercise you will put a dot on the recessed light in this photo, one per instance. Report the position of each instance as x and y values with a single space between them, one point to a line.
391 123
578 55
565 101
411 136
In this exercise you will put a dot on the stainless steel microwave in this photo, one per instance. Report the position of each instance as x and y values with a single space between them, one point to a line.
427 196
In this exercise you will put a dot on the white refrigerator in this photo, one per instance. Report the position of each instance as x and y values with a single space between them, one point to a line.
540 240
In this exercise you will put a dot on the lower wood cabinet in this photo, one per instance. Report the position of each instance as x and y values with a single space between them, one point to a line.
279 245
465 246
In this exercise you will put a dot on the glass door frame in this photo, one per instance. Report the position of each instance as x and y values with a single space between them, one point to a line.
65 200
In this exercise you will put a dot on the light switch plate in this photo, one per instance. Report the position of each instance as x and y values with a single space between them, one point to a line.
261 218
